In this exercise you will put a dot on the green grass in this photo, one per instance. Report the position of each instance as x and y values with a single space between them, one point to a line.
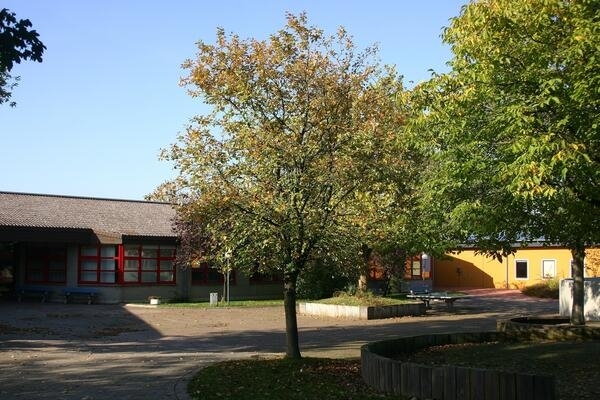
364 299
234 303
284 379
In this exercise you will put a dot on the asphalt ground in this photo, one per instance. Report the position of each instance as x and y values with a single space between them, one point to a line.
128 352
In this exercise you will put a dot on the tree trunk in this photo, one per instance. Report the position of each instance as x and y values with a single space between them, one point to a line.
291 322
577 311
363 277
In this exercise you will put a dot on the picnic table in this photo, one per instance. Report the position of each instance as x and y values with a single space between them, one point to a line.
446 297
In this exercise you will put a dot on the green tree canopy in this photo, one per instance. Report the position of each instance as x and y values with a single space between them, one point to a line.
271 178
18 42
515 127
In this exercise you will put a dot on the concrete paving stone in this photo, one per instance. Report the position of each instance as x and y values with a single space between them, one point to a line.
126 352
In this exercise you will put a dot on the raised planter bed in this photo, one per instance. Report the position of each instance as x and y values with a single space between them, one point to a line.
362 312
546 328
382 368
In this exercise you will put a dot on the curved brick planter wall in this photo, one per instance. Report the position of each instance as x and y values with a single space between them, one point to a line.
362 312
446 382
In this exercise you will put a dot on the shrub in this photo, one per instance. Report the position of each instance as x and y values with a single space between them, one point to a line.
547 289
320 280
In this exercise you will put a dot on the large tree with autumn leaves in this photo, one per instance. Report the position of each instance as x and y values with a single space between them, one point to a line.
286 169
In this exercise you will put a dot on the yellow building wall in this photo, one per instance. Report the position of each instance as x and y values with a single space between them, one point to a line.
469 270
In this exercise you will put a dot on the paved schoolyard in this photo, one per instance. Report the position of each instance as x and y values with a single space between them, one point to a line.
96 352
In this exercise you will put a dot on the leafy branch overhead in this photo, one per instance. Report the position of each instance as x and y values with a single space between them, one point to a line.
18 42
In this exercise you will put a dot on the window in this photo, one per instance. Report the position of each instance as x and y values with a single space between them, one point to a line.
521 269
127 264
548 269
413 268
416 269
377 273
148 264
46 264
98 264
204 274
262 278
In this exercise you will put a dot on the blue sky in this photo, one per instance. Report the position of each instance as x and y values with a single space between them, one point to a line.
91 119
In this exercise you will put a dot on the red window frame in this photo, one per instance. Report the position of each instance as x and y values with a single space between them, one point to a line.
149 264
44 263
104 268
134 264
204 274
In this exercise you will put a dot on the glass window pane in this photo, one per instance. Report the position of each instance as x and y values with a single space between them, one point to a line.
131 265
107 251
149 265
150 251
548 269
88 276
107 265
166 265
167 251
132 251
416 268
198 275
89 265
56 276
521 269
107 277
35 264
130 276
89 251
166 276
215 276
56 264
35 276
148 276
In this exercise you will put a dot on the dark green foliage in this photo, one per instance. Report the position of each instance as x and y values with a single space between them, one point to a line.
513 129
319 281
18 42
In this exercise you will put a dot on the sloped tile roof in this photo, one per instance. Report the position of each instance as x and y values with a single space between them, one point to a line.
106 216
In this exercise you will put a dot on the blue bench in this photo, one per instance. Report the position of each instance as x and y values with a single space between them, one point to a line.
36 292
87 294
